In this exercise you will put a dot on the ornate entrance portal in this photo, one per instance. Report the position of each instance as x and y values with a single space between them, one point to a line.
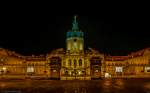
95 67
75 67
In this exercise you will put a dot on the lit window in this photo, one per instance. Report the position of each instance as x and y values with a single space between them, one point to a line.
30 69
119 69
69 46
75 46
54 70
96 70
80 62
4 68
69 72
147 69
81 48
79 72
107 75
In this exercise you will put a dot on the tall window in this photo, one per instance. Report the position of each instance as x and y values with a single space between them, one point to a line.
119 69
69 62
80 62
30 69
147 69
81 48
75 63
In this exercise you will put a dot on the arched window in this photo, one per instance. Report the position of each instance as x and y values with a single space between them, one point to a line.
75 62
69 62
66 73
80 62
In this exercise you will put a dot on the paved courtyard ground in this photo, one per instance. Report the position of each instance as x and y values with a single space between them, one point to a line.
76 86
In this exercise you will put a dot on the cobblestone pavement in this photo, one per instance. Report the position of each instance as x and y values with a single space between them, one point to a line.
76 86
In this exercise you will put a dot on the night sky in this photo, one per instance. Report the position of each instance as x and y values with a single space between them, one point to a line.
114 33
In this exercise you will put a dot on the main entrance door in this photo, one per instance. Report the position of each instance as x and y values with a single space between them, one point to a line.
95 67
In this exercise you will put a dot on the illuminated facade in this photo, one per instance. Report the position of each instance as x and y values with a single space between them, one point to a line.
74 63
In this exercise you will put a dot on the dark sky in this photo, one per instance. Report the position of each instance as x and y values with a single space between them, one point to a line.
115 33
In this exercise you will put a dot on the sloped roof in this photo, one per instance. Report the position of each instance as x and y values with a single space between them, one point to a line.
116 58
139 53
7 52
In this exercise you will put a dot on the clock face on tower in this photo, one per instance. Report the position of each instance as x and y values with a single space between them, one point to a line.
75 38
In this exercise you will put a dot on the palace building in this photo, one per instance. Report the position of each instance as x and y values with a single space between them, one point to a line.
74 62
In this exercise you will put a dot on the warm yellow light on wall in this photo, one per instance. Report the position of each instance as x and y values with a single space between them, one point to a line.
4 68
79 72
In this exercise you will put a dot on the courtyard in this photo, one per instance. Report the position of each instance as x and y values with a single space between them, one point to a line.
76 86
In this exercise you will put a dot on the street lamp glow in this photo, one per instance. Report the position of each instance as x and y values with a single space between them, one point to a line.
4 68
79 72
